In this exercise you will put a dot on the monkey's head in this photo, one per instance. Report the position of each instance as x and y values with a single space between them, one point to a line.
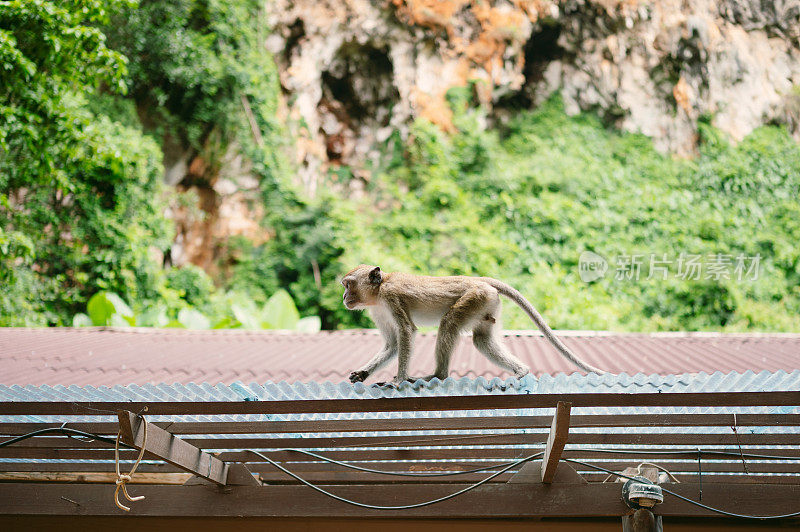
361 286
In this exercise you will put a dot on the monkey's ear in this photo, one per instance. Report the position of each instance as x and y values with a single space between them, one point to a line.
375 276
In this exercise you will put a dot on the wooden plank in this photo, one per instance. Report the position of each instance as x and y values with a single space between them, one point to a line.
418 466
642 520
446 423
532 472
67 466
733 466
665 452
715 479
141 477
456 452
487 501
171 449
403 404
559 431
80 467
27 447
345 476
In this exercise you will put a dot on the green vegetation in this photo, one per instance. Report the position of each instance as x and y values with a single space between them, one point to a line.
523 203
229 311
82 226
79 193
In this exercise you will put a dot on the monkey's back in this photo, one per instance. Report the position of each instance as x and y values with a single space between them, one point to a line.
429 297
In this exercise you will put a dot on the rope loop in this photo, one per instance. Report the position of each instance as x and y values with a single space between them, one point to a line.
122 478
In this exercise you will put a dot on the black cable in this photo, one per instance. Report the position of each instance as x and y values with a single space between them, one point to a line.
396 473
503 464
723 512
505 467
401 507
59 430
692 452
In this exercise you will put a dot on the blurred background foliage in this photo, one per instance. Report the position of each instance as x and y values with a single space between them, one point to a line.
83 230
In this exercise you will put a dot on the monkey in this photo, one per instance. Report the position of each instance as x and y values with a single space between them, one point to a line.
399 302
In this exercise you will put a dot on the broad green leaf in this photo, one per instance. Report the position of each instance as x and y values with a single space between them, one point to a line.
247 316
193 319
120 307
103 305
227 323
116 320
81 320
174 324
280 311
154 317
309 324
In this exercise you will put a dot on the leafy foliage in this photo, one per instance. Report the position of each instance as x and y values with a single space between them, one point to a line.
79 207
522 204
82 229
231 311
191 62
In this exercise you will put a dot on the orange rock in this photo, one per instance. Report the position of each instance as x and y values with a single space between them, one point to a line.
683 94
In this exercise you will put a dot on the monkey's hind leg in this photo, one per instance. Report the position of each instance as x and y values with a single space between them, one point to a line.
473 303
485 336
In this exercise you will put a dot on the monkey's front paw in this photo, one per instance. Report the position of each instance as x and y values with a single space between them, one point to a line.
390 385
358 376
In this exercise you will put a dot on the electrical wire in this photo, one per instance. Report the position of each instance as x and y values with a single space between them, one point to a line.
660 468
59 430
504 467
396 473
692 452
401 507
503 464
665 490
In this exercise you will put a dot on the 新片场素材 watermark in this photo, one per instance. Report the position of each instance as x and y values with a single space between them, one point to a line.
686 266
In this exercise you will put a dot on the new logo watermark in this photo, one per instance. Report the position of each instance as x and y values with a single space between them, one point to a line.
686 267
591 266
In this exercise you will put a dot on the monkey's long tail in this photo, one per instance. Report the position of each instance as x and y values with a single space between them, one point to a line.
515 296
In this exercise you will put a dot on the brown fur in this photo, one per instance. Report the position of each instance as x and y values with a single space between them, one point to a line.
398 302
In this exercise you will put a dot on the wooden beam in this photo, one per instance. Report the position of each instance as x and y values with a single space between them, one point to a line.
410 453
439 423
642 521
99 477
496 500
559 431
425 463
532 472
26 447
405 404
174 450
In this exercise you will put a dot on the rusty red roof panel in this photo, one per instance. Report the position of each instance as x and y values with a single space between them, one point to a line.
108 357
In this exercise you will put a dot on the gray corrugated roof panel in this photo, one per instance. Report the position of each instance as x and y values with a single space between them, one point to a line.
545 384
284 390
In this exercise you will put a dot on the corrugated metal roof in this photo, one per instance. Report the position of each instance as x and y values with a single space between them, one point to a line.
575 383
283 390
124 356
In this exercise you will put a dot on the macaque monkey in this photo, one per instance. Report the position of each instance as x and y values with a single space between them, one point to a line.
398 302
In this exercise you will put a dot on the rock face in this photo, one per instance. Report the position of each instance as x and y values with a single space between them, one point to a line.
214 202
354 71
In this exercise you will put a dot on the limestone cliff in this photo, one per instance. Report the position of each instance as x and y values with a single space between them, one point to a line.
355 70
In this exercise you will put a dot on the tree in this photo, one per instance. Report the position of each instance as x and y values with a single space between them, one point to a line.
79 193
